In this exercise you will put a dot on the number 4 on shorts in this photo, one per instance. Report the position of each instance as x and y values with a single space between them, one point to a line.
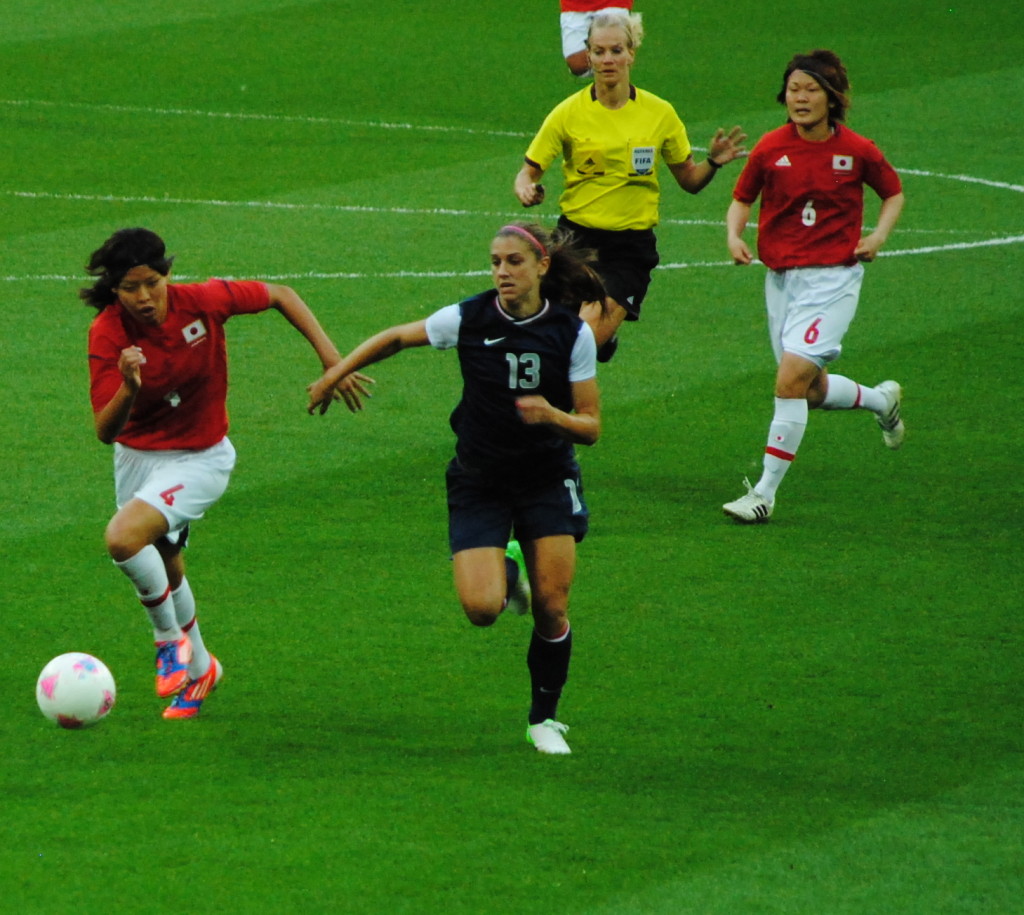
168 494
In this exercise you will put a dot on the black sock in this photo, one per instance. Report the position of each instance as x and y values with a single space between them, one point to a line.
607 349
511 576
549 669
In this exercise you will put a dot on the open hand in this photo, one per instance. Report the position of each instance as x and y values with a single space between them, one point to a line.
724 147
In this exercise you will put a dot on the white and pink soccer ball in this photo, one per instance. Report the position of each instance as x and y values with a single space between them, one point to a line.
76 690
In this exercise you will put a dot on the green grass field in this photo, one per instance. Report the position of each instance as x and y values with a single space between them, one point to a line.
820 715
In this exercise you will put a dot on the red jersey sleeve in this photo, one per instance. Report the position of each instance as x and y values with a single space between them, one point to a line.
751 179
224 298
105 345
879 175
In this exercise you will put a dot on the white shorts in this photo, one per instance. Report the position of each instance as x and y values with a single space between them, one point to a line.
181 485
810 310
576 28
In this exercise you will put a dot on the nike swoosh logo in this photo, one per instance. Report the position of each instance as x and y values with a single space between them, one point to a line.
490 341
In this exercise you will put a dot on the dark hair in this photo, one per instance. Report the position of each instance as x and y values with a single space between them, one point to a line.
571 279
828 71
125 249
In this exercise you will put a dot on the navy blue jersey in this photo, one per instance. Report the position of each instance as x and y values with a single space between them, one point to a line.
503 359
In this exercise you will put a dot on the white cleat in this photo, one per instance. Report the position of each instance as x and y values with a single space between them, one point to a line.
893 431
752 508
547 737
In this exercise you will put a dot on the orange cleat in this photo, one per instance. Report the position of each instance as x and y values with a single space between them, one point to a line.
188 702
172 660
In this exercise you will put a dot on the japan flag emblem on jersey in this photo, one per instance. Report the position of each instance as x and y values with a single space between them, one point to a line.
842 163
194 332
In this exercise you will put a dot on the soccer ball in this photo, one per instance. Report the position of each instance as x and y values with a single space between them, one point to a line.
76 690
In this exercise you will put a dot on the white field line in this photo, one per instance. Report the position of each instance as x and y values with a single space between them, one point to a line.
245 204
384 125
437 211
448 274
250 116
966 179
349 208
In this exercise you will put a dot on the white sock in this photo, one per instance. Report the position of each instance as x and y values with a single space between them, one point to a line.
846 394
784 437
185 613
146 571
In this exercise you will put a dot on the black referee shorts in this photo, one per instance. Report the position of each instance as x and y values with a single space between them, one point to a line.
625 261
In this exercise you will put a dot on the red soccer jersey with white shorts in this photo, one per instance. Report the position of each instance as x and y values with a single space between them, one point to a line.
812 195
183 400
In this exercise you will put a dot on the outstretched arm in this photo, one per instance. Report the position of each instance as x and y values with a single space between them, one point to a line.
287 301
376 348
693 177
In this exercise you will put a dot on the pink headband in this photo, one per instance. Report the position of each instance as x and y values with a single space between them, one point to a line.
529 236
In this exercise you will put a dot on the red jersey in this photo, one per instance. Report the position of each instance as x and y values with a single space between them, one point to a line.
183 399
592 6
812 195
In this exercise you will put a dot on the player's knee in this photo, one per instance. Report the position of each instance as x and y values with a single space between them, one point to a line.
551 627
551 613
579 63
115 543
794 388
123 540
481 615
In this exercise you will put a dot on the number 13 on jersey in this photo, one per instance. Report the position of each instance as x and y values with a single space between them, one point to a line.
523 371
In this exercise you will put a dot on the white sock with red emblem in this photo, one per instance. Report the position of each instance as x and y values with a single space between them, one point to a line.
784 437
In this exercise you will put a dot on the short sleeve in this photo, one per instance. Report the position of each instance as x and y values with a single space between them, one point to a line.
547 144
583 362
443 327
676 147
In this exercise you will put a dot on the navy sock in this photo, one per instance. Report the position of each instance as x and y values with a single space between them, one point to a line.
511 576
549 669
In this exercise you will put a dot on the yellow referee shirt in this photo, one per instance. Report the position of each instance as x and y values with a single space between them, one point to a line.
610 158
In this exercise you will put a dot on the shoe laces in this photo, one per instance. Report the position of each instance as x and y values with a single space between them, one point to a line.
183 699
555 726
187 697
167 656
751 495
